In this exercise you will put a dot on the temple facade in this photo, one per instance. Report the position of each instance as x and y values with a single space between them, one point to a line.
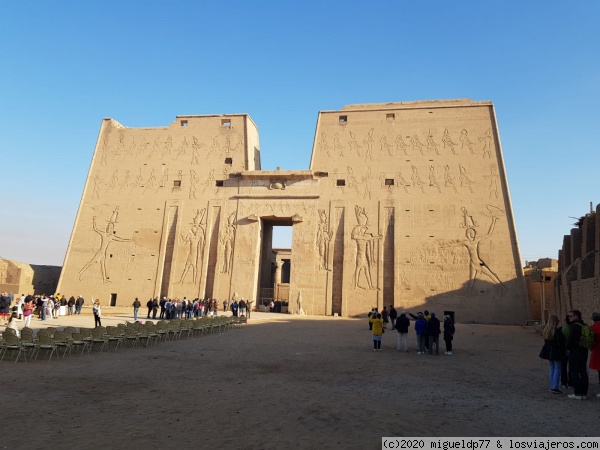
404 204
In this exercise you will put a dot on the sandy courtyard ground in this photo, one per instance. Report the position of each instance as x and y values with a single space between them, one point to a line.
288 382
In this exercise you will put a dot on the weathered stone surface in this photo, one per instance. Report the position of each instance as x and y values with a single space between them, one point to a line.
404 204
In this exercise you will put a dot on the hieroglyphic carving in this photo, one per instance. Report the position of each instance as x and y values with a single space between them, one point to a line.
432 180
401 145
448 179
104 152
106 237
210 180
416 179
465 141
416 144
369 145
464 178
164 179
431 144
493 177
365 249
125 183
324 235
354 145
167 148
487 143
113 180
229 148
150 182
138 180
155 147
194 241
141 149
447 141
215 147
227 237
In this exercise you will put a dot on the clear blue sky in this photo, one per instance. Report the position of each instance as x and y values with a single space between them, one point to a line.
67 64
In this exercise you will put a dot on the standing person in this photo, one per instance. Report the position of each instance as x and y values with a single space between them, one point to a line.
4 307
136 308
154 308
234 308
553 350
225 305
97 313
595 355
248 308
242 306
565 376
385 317
421 330
433 334
162 304
149 306
402 325
377 323
448 334
28 312
71 305
393 315
577 357
78 304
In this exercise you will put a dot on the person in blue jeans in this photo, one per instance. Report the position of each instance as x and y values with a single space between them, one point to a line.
554 350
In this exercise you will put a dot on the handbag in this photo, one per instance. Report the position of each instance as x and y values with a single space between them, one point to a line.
546 350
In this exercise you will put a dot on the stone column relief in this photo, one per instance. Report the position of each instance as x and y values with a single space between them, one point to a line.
227 238
194 241
107 235
324 235
365 249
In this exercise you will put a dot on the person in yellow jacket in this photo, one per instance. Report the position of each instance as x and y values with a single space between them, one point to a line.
377 325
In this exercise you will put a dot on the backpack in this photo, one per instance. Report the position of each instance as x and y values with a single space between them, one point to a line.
587 337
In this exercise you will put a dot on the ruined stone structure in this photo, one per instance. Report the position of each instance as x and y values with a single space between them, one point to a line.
578 283
22 278
404 204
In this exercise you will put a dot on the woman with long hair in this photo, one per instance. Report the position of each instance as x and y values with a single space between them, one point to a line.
97 313
553 351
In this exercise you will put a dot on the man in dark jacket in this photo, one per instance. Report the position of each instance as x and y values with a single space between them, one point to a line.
149 306
393 315
577 357
402 325
433 333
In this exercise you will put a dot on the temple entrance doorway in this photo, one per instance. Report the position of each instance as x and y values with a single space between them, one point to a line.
275 264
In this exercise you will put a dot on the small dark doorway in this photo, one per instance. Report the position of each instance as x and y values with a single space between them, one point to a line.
113 299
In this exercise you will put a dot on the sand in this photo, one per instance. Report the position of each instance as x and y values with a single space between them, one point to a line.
288 382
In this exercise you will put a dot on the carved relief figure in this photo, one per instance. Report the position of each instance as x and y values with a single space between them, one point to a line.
165 177
194 241
114 180
353 143
196 150
226 239
416 143
323 144
106 237
365 249
210 180
337 146
465 141
431 144
182 150
97 183
168 147
125 183
477 266
352 181
155 147
401 145
487 143
104 151
151 180
400 181
385 147
447 141
193 181
432 180
448 179
367 180
215 146
464 179
324 235
369 145
416 179
493 177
